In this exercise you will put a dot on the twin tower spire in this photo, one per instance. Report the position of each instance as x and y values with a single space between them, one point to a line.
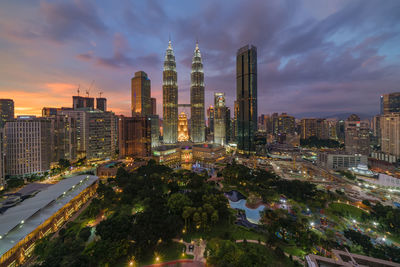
170 98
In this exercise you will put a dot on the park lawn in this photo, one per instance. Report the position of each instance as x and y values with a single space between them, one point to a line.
347 210
166 252
225 231
273 260
293 250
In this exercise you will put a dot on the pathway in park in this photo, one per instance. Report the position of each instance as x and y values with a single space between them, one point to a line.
198 251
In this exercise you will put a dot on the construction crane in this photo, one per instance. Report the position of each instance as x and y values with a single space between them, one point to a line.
90 87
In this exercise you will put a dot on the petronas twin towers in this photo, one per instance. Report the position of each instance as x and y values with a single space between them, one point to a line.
170 98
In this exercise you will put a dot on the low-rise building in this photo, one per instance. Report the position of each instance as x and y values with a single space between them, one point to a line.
169 155
46 212
339 161
207 154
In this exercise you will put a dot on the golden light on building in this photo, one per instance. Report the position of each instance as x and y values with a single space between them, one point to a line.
183 134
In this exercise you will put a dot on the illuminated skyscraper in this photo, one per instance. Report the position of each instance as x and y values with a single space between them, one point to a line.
183 133
219 119
210 115
246 97
141 103
170 98
197 98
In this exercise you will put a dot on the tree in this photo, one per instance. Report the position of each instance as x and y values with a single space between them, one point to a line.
187 212
177 201
214 217
196 219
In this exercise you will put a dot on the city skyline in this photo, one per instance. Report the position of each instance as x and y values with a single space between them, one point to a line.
356 61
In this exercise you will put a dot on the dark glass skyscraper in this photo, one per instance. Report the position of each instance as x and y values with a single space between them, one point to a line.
170 98
141 91
391 103
6 111
197 98
246 97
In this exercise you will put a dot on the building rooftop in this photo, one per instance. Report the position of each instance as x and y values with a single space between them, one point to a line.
22 219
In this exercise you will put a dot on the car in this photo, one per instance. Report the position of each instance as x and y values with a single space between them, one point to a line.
191 248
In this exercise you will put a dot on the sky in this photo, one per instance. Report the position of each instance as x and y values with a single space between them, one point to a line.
314 57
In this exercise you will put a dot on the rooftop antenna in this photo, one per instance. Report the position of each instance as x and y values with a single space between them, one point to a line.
100 93
79 86
87 93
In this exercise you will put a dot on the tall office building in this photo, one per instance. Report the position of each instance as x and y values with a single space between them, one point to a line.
246 97
357 140
82 102
153 106
155 130
2 167
170 98
101 103
235 121
134 134
197 98
183 131
6 111
391 103
228 124
210 115
28 142
95 133
390 134
219 119
141 90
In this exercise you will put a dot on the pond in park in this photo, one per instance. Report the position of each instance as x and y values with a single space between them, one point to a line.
252 215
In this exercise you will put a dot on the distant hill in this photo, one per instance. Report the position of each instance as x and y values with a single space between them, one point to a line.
339 116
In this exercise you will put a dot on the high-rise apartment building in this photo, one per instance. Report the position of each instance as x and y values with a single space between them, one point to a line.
28 142
82 102
100 135
246 97
390 134
101 103
357 140
286 124
134 134
153 106
170 98
308 128
141 90
391 103
2 167
6 111
63 138
219 119
314 127
197 98
183 131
